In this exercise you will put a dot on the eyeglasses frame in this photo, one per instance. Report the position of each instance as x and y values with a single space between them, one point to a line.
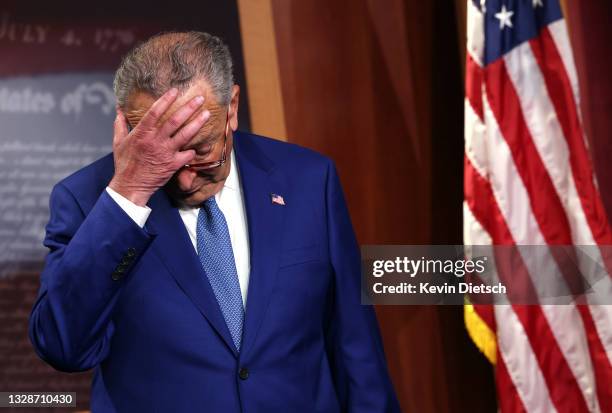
205 166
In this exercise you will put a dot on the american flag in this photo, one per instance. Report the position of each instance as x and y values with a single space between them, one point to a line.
528 180
277 199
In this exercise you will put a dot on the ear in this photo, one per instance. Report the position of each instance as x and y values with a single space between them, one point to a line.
233 107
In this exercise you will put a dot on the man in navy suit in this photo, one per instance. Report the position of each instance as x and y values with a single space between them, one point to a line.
202 269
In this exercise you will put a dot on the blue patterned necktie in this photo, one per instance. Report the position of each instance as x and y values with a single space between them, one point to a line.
217 258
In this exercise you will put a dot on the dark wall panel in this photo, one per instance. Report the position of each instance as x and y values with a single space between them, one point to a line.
591 36
379 89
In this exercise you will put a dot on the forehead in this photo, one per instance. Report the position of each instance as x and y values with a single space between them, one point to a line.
139 102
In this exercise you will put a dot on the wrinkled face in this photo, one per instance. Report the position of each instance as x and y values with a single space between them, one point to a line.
190 187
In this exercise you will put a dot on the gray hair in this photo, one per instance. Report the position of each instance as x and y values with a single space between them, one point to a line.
175 59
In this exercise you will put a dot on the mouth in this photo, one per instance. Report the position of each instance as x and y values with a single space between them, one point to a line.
188 192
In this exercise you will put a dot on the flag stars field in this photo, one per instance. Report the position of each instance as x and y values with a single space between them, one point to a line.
504 17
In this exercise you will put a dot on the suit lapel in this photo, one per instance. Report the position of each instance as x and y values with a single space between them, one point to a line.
265 223
173 246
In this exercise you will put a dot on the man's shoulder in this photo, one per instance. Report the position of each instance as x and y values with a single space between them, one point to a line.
284 155
88 182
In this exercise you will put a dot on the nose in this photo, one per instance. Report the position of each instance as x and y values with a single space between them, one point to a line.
185 179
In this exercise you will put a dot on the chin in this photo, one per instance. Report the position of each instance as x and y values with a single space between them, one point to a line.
195 199
195 195
190 189
183 198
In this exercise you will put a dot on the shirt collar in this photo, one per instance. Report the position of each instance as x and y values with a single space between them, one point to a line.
231 182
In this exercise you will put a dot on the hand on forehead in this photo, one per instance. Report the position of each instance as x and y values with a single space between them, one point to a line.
139 103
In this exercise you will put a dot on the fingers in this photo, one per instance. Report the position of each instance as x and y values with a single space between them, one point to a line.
120 127
158 108
185 157
187 132
174 122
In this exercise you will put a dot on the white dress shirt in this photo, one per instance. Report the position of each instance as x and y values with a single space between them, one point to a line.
231 203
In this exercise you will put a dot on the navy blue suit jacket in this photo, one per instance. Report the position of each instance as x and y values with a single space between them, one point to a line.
136 305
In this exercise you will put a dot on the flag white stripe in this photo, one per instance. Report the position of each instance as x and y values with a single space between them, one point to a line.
522 366
547 135
508 189
602 314
473 232
475 33
558 31
552 147
541 267
568 329
602 317
475 140
554 152
505 179
514 346
515 206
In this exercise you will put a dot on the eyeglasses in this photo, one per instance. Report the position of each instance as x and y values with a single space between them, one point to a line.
205 166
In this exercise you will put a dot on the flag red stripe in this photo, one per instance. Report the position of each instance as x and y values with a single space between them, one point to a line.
508 397
473 85
562 98
548 211
563 388
559 89
599 360
479 195
545 202
487 314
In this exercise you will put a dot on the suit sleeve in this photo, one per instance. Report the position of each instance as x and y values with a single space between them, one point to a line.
89 261
360 370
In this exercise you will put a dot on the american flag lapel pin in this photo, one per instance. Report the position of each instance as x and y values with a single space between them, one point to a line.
277 199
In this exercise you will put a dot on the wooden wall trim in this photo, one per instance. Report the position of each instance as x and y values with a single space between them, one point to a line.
261 68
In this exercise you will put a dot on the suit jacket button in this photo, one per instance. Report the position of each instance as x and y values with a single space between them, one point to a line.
243 373
125 260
